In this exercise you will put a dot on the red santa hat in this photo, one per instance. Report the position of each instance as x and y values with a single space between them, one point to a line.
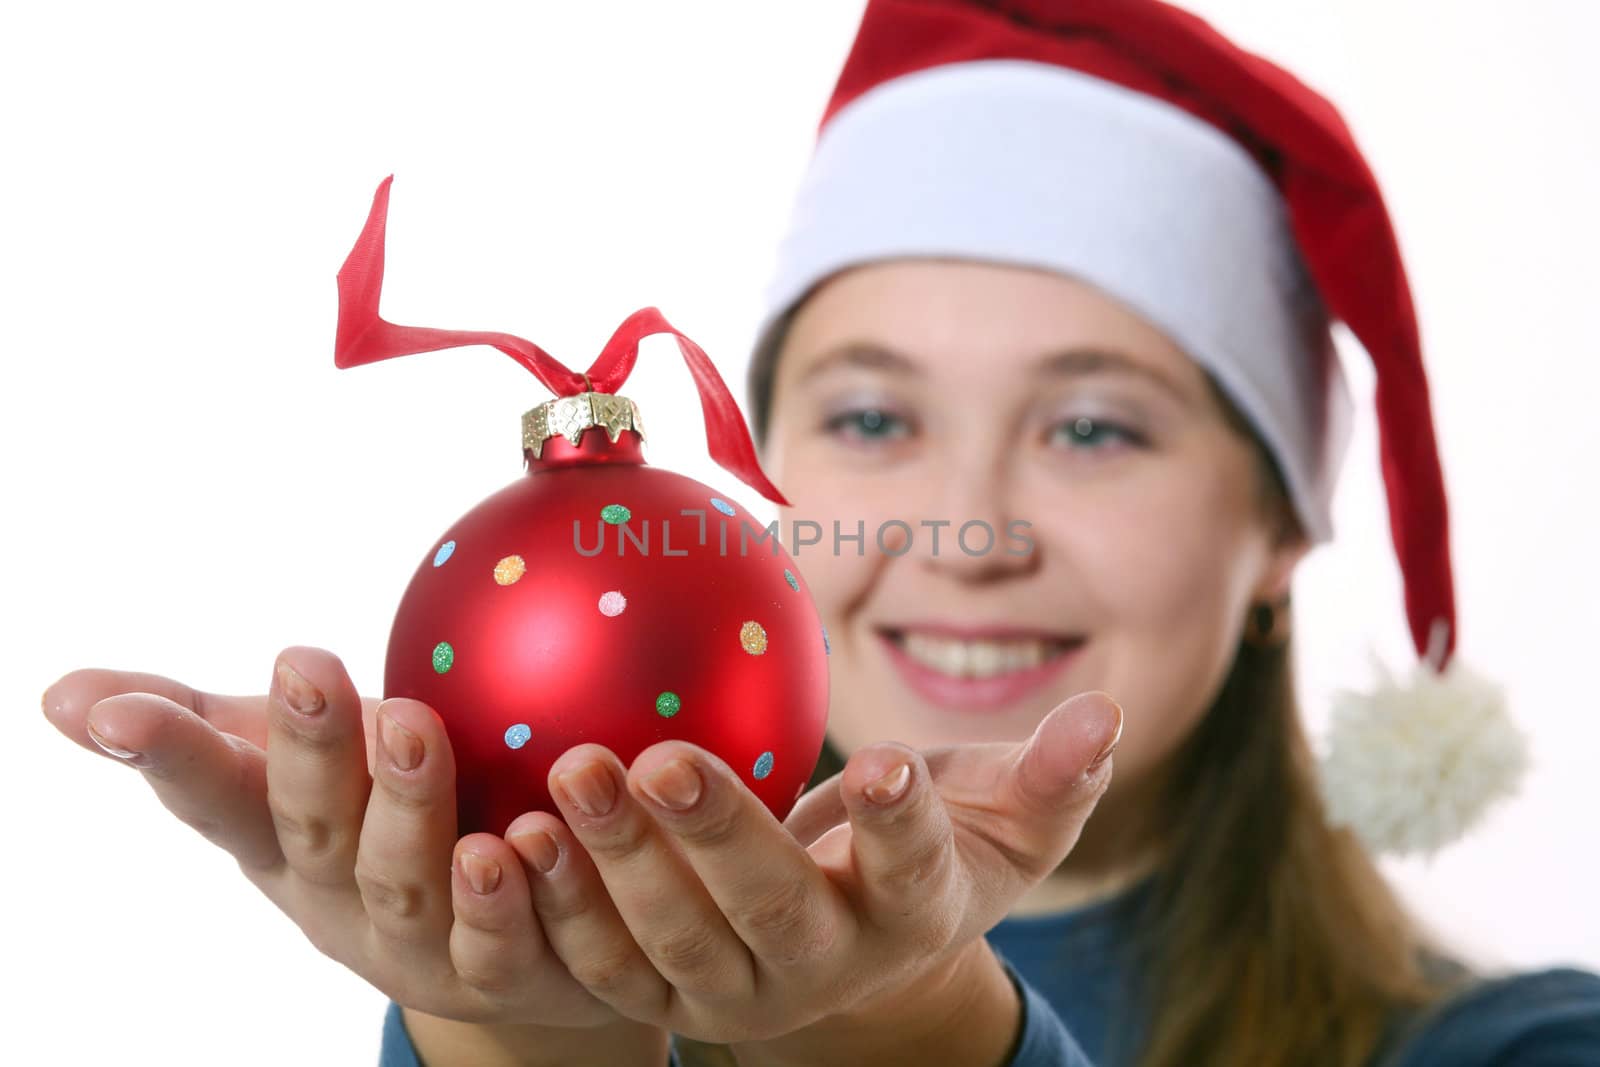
1127 143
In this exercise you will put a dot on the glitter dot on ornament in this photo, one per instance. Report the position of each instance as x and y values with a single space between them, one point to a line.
615 514
667 704
510 569
794 583
517 736
613 604
444 553
443 656
752 638
722 506
763 765
826 651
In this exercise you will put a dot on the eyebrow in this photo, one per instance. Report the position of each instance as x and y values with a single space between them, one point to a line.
1066 363
1100 360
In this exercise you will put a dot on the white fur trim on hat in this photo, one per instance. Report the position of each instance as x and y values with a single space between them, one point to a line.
1025 163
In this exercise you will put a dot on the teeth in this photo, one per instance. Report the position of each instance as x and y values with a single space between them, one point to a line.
977 659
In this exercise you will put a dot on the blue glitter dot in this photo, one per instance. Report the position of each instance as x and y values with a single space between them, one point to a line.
794 583
722 505
517 736
826 651
764 765
444 553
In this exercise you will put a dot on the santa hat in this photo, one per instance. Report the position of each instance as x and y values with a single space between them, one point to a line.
1127 143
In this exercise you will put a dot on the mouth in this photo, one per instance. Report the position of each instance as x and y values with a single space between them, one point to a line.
979 670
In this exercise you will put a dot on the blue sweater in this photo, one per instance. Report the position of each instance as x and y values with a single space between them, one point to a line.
1074 979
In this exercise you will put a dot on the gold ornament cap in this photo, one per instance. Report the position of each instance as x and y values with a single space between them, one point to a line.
569 416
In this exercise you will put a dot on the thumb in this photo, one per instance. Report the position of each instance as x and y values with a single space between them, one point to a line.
1065 766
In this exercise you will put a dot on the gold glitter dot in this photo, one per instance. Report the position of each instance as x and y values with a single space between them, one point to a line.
509 570
753 638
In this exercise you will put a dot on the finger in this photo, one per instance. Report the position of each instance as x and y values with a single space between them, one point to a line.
67 702
672 917
1058 776
317 779
816 812
212 782
1028 802
581 922
904 846
495 939
781 906
496 945
403 859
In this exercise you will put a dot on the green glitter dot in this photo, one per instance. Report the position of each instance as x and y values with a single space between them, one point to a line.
443 656
667 704
615 514
794 583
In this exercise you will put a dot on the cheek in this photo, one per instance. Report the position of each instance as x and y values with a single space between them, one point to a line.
832 504
1165 574
1173 560
844 581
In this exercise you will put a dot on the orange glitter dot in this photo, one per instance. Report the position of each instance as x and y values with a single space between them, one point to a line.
509 570
753 638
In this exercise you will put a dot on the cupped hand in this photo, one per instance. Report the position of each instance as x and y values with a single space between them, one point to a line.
342 812
672 893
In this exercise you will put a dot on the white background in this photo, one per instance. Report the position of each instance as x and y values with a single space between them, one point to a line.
191 485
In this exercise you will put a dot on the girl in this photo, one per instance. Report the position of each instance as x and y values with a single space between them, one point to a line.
1072 264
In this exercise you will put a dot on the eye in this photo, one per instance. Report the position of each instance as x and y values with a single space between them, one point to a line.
867 424
1084 432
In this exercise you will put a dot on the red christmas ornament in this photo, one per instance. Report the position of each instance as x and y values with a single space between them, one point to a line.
597 598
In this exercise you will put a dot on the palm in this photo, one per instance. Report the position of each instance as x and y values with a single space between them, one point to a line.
985 820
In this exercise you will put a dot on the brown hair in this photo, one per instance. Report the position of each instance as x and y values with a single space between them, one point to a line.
1266 936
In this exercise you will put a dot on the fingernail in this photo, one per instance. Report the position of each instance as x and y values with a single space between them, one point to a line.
403 746
590 788
1105 753
891 786
675 785
483 874
138 759
300 694
544 851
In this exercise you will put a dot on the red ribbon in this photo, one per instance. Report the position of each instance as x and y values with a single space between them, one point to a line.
363 336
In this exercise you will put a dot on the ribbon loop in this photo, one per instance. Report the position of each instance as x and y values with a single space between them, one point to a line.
363 336
727 436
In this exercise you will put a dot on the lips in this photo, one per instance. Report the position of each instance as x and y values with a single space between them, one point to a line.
977 669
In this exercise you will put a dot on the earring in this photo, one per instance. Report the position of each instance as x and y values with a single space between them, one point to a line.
1268 623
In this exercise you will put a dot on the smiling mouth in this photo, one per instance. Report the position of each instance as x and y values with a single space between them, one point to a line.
977 658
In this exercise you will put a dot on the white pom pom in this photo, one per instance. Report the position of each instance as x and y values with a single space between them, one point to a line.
1414 764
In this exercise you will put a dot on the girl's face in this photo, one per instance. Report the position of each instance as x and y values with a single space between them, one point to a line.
929 392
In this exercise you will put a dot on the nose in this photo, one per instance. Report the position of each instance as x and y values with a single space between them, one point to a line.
969 535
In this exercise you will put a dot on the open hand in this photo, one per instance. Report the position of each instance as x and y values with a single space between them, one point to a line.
349 829
674 895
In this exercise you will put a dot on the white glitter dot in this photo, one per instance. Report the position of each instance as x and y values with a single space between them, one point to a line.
612 604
